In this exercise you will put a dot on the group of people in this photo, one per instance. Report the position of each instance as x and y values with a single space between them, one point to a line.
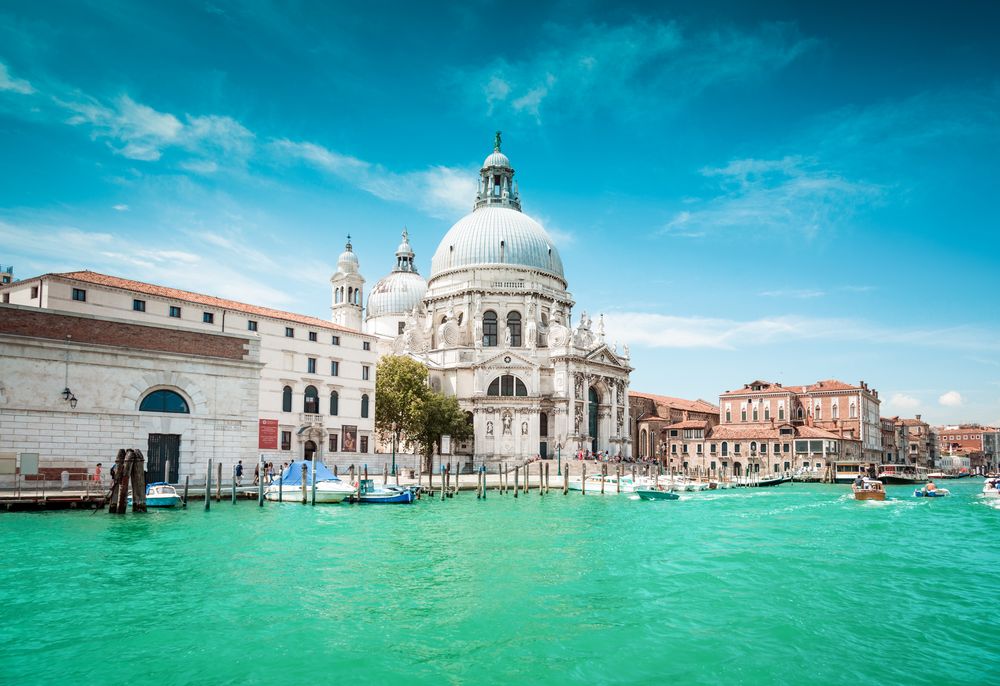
270 474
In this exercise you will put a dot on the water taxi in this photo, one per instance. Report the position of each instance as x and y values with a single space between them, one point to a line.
661 492
991 488
872 489
160 494
902 474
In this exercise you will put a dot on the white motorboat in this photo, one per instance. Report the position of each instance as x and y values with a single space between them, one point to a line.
160 494
329 488
991 488
610 482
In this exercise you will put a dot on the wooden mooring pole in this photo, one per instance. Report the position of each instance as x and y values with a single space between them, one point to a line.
234 484
566 479
218 481
208 485
260 485
187 484
583 479
138 482
305 481
516 484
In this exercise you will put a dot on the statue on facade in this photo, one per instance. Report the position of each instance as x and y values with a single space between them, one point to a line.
600 329
578 420
496 142
489 428
507 420
524 428
506 336
625 351
531 330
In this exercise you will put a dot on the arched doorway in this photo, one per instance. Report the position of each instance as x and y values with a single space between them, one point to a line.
737 469
592 424
309 450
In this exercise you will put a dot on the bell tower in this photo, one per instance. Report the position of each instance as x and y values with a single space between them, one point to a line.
348 286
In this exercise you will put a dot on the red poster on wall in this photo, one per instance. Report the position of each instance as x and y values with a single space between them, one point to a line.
267 434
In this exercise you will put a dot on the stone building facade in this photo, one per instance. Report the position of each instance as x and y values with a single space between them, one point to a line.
74 388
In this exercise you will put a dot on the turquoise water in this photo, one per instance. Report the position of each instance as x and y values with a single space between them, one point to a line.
793 584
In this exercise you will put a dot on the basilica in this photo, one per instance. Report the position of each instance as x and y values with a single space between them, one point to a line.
494 324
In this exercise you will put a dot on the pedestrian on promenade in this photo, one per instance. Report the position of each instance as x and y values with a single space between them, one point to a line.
256 474
270 472
239 473
97 474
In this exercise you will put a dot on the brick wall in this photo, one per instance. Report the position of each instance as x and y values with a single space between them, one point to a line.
83 329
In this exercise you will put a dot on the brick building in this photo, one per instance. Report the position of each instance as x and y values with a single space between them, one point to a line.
650 415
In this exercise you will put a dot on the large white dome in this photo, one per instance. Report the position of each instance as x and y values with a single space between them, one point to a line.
397 293
497 236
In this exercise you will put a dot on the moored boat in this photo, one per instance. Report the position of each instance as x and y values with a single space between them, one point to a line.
160 494
871 489
329 488
387 494
661 492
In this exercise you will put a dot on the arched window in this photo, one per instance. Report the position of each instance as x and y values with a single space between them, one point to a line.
514 326
725 448
310 404
543 424
781 412
642 444
834 411
753 446
286 399
507 385
755 417
819 411
800 412
489 328
164 401
334 403
364 406
854 411
767 412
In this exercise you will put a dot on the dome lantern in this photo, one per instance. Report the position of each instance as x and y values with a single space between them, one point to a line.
496 181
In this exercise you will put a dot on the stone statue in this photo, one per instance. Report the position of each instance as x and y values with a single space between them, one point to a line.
600 328
625 351
531 332
496 144
578 420
507 420
489 428
506 336
524 428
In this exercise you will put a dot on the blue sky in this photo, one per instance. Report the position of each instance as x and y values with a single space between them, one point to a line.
769 190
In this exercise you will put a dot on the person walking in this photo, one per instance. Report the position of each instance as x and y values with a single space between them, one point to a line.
97 474
239 473
256 474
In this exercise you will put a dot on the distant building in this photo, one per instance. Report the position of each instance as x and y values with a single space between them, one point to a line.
917 441
651 415
967 441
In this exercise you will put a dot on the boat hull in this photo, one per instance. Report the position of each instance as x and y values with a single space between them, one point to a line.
869 495
651 494
403 498
293 494
939 493
163 501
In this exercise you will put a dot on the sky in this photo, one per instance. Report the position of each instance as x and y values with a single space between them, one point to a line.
772 190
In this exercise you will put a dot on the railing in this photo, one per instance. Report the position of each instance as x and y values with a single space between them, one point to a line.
81 486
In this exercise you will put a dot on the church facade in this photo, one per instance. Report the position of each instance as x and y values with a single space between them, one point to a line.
494 324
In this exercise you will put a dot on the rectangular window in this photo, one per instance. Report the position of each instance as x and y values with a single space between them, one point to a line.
366 345
208 318
713 465
763 448
699 451
364 372
736 448
289 332
333 443
335 368
364 443
685 449
6 297
286 440
251 325
80 295
673 449
312 336
781 413
175 312
711 448
729 416
138 305
335 340
777 448
311 365
743 415
34 292
401 327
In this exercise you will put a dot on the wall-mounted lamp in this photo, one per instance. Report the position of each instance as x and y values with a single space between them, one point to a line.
69 397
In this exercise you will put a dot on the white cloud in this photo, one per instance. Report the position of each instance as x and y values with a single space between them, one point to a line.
440 191
628 70
804 293
121 207
9 83
791 195
902 401
951 399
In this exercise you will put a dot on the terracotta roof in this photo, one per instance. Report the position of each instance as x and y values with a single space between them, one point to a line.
758 432
816 432
770 387
832 385
689 424
678 403
208 300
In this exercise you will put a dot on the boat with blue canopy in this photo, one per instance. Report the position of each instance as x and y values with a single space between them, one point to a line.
329 487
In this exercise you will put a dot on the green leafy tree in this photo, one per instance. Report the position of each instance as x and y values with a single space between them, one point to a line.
400 390
440 415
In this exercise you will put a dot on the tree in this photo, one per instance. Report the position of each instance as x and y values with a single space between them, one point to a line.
400 390
440 415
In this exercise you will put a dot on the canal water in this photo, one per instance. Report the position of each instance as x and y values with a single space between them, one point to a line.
795 584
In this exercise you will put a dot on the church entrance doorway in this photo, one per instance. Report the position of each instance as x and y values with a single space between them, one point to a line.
309 450
592 424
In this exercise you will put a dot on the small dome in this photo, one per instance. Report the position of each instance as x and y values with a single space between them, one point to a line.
496 159
497 236
348 263
397 293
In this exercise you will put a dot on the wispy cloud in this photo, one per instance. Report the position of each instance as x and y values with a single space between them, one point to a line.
121 207
951 399
803 294
439 190
790 196
628 70
664 331
9 83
